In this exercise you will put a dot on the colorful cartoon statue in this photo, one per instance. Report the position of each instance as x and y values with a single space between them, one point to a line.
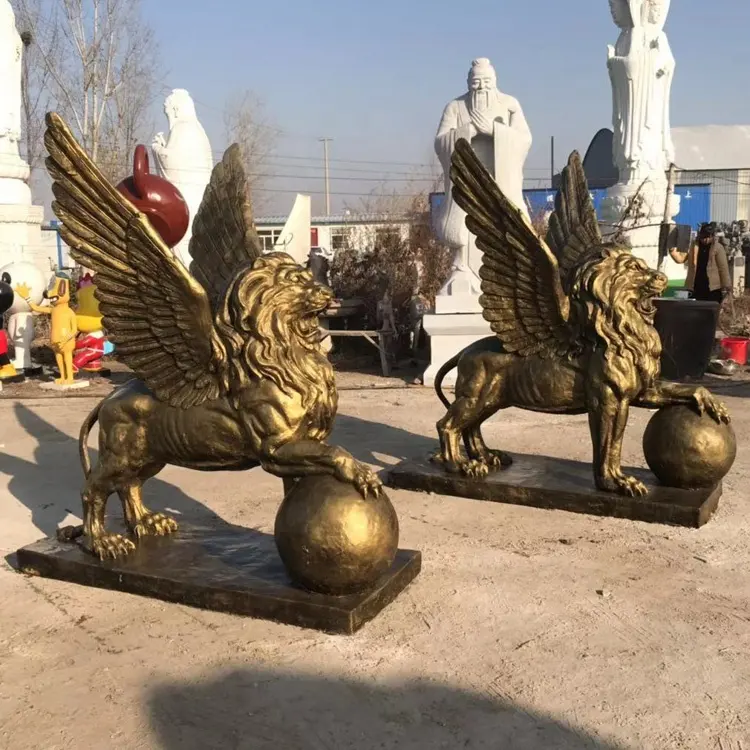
8 373
27 281
63 325
92 345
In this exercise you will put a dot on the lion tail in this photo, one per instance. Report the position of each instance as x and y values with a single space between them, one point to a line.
83 437
442 372
486 344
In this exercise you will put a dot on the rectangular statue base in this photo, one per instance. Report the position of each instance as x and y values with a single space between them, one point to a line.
560 484
227 569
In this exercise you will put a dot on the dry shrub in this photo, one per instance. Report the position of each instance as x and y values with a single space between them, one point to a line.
540 220
392 265
734 316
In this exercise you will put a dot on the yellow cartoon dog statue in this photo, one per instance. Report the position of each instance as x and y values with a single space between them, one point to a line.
63 327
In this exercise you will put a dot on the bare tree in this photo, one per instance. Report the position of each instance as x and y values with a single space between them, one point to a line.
246 123
99 62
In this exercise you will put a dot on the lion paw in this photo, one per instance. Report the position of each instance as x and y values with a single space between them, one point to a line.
361 476
474 469
498 459
111 546
718 410
624 485
155 524
368 482
706 402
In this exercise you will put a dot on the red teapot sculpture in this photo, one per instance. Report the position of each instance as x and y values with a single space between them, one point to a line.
159 199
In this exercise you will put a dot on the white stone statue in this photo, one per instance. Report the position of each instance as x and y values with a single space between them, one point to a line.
296 233
641 68
14 172
184 158
494 124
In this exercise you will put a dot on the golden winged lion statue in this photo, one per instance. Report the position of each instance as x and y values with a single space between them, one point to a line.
230 371
574 324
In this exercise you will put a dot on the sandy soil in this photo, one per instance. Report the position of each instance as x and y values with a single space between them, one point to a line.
502 642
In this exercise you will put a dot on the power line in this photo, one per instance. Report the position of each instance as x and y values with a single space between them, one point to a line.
281 175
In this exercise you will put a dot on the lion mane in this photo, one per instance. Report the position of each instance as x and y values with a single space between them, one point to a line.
611 307
267 324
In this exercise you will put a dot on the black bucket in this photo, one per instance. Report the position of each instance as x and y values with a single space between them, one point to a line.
687 329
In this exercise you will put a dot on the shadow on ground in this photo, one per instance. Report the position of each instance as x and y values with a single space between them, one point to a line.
257 710
368 441
50 485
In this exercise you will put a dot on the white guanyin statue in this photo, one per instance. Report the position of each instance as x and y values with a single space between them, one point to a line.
184 158
641 68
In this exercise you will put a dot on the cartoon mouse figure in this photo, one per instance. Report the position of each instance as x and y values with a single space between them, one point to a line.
63 325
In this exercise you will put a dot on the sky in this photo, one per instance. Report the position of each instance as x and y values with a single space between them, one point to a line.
375 77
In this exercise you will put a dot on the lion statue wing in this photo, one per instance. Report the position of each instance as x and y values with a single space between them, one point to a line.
522 299
573 227
224 235
157 315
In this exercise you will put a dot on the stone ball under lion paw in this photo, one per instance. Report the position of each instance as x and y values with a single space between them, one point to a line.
331 539
687 450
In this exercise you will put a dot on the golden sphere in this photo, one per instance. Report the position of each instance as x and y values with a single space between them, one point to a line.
687 450
331 539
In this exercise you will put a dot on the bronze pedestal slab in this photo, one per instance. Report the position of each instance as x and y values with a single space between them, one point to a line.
228 569
561 484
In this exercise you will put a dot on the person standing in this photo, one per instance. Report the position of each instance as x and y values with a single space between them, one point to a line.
708 269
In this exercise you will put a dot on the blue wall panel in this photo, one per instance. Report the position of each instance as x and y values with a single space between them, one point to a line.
695 202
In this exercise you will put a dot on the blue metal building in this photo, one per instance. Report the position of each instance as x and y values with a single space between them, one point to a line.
695 202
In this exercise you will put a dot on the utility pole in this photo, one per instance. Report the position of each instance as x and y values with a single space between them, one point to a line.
552 162
670 192
665 227
325 142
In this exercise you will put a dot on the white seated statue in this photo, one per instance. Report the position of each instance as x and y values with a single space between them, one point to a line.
184 158
494 124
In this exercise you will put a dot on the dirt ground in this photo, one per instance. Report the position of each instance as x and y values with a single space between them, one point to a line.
527 629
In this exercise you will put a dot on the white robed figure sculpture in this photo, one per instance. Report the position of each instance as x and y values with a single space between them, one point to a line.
184 158
641 68
494 124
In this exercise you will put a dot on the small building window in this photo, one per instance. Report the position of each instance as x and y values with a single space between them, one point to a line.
340 239
268 238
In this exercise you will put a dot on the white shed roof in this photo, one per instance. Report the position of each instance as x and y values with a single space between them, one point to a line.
712 147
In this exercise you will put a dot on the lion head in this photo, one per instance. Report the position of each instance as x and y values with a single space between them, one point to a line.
612 304
269 320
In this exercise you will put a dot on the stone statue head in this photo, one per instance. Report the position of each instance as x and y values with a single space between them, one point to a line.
628 14
482 76
179 106
482 85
